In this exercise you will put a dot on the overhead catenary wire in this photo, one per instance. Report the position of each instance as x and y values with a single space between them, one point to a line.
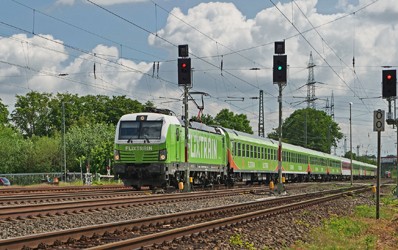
171 43
227 69
84 30
334 52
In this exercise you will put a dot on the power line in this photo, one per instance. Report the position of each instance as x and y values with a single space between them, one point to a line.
310 44
169 42
84 30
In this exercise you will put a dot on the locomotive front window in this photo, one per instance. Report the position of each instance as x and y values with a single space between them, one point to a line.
130 130
151 130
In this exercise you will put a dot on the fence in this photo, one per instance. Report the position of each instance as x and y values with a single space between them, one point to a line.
37 178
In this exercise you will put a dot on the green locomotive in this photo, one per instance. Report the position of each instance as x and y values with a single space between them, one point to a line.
150 151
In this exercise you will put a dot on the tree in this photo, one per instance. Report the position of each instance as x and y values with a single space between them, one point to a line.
31 114
3 114
228 119
13 151
206 119
92 142
45 154
310 128
120 105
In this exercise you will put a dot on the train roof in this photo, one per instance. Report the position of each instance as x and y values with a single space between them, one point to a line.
152 116
171 120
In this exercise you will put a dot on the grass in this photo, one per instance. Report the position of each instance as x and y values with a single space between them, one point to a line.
359 231
237 241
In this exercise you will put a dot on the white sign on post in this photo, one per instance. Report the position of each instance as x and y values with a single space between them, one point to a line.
378 120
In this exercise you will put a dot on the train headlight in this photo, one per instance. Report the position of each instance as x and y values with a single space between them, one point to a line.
162 155
116 155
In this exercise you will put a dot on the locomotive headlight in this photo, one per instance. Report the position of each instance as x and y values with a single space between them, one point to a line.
162 155
116 155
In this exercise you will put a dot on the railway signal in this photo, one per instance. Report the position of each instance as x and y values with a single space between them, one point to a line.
389 83
279 71
378 120
184 72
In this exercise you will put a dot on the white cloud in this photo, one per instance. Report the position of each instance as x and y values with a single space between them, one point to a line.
241 43
65 2
367 36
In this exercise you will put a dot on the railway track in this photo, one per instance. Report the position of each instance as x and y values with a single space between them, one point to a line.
25 211
54 189
165 228
20 199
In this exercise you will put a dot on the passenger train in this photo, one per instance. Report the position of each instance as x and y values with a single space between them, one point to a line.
150 150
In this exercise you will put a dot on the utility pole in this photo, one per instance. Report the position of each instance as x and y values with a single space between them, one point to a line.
63 125
396 161
185 80
352 169
261 131
280 78
378 126
389 92
311 83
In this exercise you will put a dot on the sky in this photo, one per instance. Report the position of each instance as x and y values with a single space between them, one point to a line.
52 46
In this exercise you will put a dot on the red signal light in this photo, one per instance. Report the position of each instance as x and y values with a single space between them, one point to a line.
184 65
389 77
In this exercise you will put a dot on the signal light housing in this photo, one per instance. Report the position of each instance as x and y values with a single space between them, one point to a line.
184 72
279 70
389 82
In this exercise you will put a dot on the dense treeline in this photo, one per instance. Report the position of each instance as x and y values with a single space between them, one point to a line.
45 129
32 136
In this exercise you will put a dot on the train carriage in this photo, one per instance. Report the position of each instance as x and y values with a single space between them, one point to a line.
254 159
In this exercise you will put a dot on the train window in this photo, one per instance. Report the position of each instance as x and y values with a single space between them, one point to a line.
150 129
129 130
242 149
239 151
247 151
255 151
233 147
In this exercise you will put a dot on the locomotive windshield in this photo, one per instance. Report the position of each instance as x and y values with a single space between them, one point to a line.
146 130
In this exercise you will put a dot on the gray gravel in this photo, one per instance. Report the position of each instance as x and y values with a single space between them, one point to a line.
276 233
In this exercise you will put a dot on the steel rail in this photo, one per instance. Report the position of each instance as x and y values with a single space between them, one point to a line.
35 210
